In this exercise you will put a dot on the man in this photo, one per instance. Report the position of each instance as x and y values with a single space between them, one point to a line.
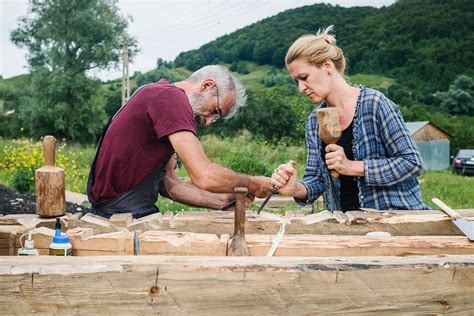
134 161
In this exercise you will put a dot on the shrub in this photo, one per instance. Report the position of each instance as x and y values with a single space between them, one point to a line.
23 181
23 157
248 165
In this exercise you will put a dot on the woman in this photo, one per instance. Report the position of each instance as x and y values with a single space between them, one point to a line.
376 157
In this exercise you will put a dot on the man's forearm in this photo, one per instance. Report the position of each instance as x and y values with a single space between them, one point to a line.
187 193
210 176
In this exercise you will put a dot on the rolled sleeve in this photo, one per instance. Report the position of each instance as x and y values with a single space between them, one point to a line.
312 178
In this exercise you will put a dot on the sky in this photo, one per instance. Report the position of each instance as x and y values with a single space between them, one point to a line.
163 28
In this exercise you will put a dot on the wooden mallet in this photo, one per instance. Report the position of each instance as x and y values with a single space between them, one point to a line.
238 244
329 128
50 186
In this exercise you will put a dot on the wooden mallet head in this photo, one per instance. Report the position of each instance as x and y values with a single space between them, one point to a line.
50 183
329 128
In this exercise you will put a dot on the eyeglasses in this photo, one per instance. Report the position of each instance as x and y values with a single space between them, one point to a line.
217 114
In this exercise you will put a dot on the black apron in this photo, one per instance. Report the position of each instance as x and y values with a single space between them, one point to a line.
139 200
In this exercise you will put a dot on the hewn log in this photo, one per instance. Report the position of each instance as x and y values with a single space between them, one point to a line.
332 245
116 243
33 220
84 243
237 285
153 221
194 244
182 243
121 220
9 234
99 224
400 223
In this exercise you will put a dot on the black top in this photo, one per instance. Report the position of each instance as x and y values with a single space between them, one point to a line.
349 189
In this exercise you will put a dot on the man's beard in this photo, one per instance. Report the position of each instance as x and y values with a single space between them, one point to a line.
197 100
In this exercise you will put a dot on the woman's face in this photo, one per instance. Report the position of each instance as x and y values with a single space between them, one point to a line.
311 80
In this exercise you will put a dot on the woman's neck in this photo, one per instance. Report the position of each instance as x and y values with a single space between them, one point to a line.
344 98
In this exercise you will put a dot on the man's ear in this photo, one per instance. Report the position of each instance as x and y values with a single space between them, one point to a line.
207 84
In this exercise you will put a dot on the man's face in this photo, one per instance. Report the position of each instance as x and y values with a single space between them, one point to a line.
206 106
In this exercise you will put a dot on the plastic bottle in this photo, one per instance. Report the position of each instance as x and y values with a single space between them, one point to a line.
29 248
60 245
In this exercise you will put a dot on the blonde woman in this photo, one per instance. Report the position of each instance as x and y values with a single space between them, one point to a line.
376 157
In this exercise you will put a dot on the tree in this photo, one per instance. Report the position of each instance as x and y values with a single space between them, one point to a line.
65 39
459 98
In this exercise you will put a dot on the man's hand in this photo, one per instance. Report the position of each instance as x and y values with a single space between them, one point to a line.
284 178
230 205
260 186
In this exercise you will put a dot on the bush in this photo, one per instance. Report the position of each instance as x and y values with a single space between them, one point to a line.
248 165
23 157
23 181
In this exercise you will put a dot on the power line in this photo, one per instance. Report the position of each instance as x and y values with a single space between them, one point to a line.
152 31
205 27
178 29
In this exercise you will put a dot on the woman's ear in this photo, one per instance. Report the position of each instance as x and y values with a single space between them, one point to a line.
328 66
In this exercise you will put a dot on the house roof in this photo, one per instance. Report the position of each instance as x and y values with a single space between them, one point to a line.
413 127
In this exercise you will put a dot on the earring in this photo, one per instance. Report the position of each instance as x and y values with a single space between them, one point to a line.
329 73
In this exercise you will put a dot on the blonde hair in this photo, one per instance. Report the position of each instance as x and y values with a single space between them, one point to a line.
316 49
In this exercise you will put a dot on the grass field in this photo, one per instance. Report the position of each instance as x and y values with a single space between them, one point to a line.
455 190
372 80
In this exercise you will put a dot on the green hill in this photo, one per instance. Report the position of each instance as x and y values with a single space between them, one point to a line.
422 44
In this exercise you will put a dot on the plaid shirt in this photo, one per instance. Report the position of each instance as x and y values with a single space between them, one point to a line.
382 141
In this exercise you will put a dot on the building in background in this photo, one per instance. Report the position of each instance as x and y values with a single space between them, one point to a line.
433 144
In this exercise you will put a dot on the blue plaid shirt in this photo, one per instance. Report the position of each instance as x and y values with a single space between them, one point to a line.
391 160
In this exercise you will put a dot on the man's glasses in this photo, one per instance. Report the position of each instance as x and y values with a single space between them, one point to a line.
217 112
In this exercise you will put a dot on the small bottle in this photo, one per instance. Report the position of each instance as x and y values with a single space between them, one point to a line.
60 245
29 248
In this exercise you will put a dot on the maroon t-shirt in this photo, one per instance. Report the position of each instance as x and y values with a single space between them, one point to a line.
136 142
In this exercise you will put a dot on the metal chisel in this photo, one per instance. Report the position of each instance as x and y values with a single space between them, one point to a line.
273 191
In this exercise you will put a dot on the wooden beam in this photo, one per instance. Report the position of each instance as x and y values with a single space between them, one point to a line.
182 243
397 223
332 245
33 220
237 285
9 234
400 223
115 243
120 221
99 224
155 242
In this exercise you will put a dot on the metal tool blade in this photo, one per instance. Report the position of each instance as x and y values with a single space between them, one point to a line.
227 206
466 227
273 191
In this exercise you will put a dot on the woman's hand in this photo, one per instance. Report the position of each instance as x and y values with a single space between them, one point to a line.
336 160
284 178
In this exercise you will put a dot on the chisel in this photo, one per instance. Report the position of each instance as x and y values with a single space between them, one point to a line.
273 191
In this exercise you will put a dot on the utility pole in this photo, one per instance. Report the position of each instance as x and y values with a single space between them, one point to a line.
125 75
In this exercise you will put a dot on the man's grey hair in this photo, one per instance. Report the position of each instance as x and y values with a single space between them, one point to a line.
225 82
